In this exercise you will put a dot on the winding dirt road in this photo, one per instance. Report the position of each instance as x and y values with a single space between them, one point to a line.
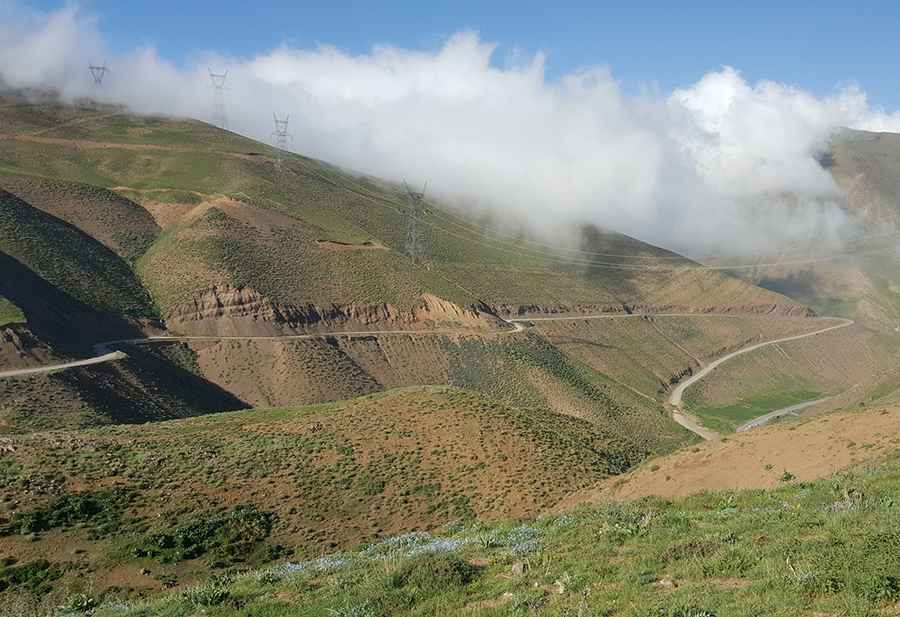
105 353
674 400
52 368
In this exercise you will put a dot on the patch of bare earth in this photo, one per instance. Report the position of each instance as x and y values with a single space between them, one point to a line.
759 458
331 245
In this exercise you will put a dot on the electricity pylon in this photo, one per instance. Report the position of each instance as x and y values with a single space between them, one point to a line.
282 137
220 118
415 212
98 73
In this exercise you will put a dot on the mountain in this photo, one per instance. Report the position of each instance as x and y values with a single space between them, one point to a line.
271 377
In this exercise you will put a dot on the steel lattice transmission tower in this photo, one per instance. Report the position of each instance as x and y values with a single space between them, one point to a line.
98 73
282 137
415 212
220 117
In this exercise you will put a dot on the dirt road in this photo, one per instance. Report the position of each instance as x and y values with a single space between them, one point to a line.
766 418
105 354
105 357
674 400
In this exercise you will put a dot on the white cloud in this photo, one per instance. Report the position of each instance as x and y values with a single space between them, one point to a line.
719 166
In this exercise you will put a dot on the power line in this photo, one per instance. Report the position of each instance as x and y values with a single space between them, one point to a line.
386 203
415 210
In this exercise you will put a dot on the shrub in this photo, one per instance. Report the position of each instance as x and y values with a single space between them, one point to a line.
103 509
434 572
225 539
213 593
34 576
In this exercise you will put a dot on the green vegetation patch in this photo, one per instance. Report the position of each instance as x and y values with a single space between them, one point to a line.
831 547
101 512
224 539
10 313
727 418
35 577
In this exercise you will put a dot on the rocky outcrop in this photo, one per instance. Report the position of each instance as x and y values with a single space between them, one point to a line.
232 311
19 348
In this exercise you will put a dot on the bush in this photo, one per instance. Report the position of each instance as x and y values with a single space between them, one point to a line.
103 509
225 539
213 593
434 572
34 576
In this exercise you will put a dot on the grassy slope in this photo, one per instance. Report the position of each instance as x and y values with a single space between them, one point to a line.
830 547
146 387
322 203
70 260
331 475
10 313
119 224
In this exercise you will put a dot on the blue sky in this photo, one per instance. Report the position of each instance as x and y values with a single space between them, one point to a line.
815 45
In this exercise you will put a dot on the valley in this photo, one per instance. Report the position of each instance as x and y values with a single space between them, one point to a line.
211 365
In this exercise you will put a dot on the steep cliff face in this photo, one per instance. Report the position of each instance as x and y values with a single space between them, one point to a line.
231 311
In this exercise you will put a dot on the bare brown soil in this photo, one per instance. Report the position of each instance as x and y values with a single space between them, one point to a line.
19 348
808 449
344 246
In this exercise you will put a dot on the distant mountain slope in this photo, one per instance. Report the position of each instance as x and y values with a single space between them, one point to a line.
865 165
314 235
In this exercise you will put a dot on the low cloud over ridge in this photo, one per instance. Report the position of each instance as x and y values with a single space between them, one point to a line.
721 166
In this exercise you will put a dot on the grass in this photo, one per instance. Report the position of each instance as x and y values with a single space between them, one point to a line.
823 548
176 161
146 387
70 260
10 314
726 418
316 478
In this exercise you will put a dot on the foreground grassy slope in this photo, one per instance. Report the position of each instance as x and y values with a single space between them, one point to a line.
312 479
830 547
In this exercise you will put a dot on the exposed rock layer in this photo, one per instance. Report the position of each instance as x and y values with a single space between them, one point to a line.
230 311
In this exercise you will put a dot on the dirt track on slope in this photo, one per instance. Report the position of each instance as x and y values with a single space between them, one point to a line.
674 400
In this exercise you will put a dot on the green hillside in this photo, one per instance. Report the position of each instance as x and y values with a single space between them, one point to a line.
10 313
70 260
232 219
323 476
830 547
121 225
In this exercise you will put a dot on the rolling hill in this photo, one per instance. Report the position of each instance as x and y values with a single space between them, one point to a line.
320 390
328 476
